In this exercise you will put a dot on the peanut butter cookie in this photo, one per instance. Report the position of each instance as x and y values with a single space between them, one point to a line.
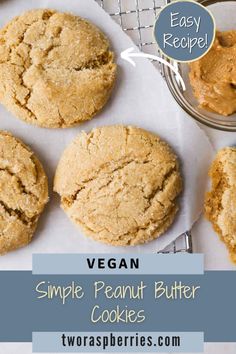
119 184
220 203
56 69
23 193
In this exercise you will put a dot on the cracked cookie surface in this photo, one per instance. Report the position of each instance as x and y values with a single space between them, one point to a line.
119 184
56 69
23 193
220 202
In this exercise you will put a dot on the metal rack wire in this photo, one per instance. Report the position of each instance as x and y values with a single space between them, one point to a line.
137 17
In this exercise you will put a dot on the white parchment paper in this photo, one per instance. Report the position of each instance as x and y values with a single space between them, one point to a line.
140 98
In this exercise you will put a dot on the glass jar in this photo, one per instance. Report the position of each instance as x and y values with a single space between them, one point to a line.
224 14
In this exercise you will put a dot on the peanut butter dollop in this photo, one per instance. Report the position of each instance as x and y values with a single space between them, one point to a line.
213 77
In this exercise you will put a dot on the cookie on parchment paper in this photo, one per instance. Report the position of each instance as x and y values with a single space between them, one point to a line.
56 69
220 202
23 193
119 184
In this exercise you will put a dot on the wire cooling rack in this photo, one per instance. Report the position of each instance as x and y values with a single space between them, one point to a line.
137 17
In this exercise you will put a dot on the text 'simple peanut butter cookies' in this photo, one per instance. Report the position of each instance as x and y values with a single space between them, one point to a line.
56 69
23 193
119 184
220 203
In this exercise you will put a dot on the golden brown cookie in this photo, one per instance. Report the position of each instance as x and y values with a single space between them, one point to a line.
220 203
56 69
23 193
119 184
213 77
